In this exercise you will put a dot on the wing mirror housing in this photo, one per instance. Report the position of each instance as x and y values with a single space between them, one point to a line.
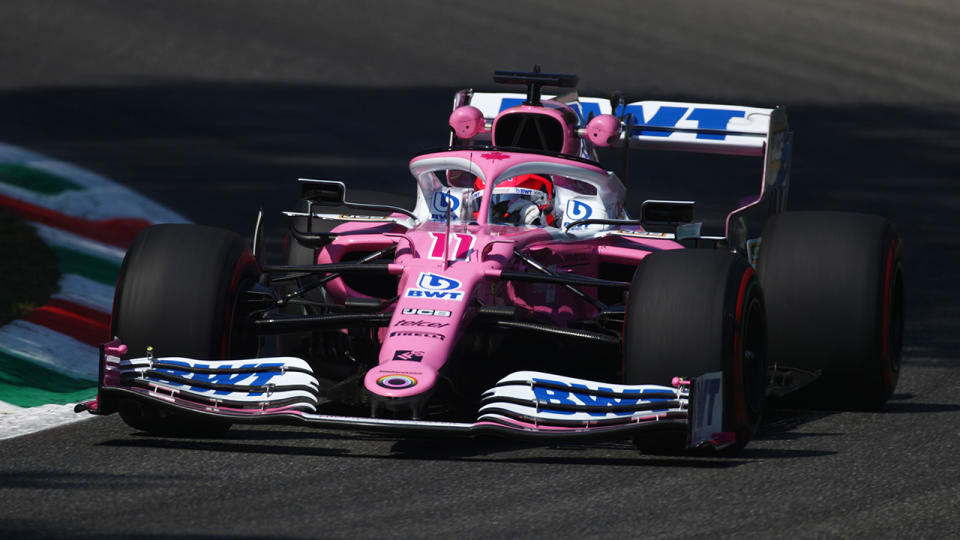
467 122
666 213
603 130
323 192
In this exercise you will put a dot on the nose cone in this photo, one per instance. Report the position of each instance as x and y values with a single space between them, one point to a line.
400 381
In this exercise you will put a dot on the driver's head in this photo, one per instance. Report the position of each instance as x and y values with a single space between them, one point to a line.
526 199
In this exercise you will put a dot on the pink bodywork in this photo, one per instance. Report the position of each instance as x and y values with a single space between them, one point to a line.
554 109
603 130
430 316
467 122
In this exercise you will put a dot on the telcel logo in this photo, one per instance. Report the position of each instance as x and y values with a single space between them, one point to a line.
427 324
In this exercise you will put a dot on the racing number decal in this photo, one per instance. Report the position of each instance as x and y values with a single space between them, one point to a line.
460 249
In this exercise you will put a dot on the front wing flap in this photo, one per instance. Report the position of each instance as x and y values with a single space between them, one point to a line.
522 405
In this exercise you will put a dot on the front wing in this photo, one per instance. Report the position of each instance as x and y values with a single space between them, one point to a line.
522 405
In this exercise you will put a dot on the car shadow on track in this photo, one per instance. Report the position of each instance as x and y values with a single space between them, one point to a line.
610 453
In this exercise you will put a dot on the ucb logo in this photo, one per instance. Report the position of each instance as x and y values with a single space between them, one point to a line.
444 201
433 282
577 210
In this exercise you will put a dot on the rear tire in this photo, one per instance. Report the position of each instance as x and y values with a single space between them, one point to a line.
178 292
834 290
692 312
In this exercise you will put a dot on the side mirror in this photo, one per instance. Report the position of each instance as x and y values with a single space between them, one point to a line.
467 122
324 192
334 193
666 213
603 130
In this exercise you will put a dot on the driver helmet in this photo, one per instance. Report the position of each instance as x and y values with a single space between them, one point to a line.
526 199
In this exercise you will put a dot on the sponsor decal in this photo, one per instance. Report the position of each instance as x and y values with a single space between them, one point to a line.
753 251
571 396
409 356
435 282
417 333
707 404
577 210
568 258
434 295
443 200
437 287
433 312
396 381
354 217
259 378
665 116
426 324
644 234
495 156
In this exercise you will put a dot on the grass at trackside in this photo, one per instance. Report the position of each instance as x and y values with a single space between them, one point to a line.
29 274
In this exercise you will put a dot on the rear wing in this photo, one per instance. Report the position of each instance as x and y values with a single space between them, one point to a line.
673 125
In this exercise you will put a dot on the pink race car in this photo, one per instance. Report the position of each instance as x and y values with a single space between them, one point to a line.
518 298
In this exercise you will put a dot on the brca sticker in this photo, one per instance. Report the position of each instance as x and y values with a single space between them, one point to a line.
436 287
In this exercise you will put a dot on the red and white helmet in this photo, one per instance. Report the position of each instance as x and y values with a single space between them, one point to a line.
526 199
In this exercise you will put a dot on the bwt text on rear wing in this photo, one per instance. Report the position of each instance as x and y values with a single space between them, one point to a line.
673 125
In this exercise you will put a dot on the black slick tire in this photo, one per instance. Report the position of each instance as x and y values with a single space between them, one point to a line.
178 293
834 288
692 312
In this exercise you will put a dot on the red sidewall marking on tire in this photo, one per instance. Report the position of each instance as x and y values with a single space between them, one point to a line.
739 405
245 261
885 329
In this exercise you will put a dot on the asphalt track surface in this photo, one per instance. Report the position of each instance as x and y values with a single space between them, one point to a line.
214 108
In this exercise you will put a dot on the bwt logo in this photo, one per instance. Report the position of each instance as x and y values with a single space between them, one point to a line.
577 210
259 378
665 116
555 396
434 295
436 282
443 201
436 287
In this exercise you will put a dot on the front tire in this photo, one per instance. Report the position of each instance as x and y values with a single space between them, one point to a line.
178 292
698 311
